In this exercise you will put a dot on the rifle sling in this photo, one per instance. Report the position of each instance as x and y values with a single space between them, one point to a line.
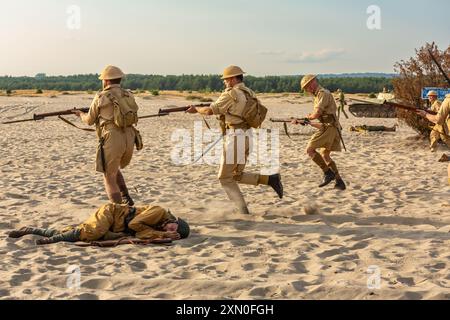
74 125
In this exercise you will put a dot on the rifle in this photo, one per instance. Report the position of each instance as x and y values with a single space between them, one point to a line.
302 121
439 66
285 121
37 117
182 109
59 114
408 108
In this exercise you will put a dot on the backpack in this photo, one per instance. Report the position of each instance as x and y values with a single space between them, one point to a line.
254 113
125 109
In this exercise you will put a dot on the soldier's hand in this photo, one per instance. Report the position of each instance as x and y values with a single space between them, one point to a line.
77 113
422 113
192 109
173 235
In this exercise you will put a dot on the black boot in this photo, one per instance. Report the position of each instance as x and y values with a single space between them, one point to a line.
340 185
126 199
328 178
275 183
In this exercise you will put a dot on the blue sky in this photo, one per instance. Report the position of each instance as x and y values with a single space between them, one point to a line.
203 36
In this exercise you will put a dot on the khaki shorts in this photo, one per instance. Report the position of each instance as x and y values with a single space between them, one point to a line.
327 138
118 149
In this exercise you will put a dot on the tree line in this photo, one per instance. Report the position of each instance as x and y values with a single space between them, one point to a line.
203 83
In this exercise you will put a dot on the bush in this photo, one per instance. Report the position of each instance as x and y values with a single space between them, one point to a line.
9 92
191 97
205 100
372 95
65 93
39 91
155 93
89 92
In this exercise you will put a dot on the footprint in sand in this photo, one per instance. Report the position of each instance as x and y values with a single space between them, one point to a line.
97 284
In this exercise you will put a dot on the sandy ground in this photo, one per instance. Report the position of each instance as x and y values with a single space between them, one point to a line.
395 215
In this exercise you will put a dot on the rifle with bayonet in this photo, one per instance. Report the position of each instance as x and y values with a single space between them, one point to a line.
182 109
42 116
59 114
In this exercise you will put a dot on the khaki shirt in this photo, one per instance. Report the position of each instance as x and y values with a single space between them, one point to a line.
148 222
436 106
444 115
102 108
325 104
231 104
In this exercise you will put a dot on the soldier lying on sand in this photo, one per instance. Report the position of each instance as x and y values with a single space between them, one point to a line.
365 128
113 221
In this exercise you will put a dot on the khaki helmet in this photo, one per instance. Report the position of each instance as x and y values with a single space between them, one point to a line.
306 80
183 228
232 71
111 73
432 93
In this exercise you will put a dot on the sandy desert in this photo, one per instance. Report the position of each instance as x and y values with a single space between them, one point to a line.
394 219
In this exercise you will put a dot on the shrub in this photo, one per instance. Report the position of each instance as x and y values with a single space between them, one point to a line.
9 92
39 91
372 95
155 93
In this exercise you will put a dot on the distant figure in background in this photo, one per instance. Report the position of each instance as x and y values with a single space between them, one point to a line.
435 135
342 104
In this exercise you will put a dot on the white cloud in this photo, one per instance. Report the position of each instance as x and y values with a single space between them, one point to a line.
317 56
306 57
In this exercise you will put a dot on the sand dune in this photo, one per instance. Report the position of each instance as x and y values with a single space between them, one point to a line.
394 215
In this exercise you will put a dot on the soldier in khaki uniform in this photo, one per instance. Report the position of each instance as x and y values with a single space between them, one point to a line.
113 221
435 135
116 144
230 107
328 138
342 104
442 119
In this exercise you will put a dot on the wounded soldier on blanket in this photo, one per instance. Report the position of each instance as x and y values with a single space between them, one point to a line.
115 221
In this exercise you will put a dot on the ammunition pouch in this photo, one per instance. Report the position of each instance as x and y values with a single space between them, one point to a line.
138 140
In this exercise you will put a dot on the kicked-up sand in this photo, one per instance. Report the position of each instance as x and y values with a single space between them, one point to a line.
386 237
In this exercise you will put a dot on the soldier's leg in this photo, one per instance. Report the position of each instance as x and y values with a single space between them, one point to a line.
253 179
16 234
340 184
445 139
343 111
69 236
125 161
329 175
126 198
227 173
112 188
434 138
448 171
